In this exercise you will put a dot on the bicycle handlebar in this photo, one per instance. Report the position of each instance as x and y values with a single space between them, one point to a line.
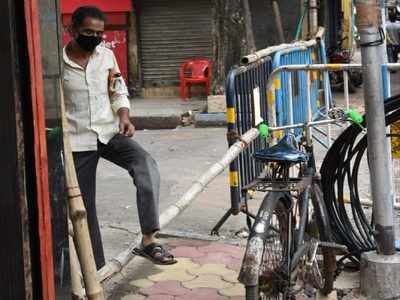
349 115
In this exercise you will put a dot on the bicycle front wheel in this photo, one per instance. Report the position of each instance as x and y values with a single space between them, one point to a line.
273 280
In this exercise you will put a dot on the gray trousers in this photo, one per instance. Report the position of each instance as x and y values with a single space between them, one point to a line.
128 154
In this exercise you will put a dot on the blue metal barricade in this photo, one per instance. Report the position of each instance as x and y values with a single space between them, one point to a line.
291 87
246 98
251 101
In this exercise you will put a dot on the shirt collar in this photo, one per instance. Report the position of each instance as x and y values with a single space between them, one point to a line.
68 61
97 50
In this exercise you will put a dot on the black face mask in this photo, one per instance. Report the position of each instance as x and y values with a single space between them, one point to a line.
88 43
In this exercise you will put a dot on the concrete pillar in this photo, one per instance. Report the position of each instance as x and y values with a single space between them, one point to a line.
380 276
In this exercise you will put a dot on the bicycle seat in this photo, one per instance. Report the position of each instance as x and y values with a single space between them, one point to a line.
283 151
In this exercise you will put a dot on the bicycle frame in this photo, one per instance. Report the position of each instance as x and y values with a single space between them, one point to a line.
251 263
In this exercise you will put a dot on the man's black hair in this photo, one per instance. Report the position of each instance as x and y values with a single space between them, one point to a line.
86 12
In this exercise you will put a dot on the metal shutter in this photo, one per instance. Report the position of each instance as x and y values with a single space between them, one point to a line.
172 31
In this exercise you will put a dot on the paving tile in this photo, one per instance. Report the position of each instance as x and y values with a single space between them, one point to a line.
352 294
169 287
182 264
142 283
190 252
216 269
174 274
188 243
215 258
234 264
235 290
160 297
331 296
234 251
231 277
133 297
202 294
347 280
207 281
145 266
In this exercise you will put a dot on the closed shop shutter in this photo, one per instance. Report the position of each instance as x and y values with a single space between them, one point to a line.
172 31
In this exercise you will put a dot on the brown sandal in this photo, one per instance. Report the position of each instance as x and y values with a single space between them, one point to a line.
157 253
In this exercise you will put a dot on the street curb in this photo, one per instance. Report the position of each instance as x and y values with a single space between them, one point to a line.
200 120
156 122
209 120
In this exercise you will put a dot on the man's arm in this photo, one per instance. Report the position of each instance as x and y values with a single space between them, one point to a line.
125 125
120 103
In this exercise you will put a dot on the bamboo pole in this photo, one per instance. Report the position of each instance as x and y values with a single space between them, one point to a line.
77 214
278 21
77 289
119 262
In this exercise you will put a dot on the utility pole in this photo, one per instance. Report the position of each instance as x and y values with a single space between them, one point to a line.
313 18
380 270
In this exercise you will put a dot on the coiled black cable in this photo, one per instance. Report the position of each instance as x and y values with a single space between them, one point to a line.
340 171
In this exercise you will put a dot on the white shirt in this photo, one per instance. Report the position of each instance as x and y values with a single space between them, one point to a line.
91 112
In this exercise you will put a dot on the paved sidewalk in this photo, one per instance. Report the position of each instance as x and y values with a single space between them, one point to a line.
205 271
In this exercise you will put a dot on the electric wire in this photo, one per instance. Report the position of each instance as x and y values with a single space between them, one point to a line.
351 226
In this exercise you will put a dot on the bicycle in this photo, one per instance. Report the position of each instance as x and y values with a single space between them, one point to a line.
292 222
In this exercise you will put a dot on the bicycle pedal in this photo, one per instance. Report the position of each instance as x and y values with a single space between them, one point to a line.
332 245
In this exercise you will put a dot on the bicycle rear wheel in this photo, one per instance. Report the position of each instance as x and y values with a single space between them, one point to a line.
325 284
273 280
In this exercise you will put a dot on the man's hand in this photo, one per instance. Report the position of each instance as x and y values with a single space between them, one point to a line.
125 126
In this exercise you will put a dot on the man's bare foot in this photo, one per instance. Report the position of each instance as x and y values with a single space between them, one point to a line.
149 239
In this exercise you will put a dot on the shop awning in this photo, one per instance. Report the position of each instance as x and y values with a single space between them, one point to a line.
107 6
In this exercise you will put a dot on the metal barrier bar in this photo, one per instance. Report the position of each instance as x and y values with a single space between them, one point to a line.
318 67
302 125
299 55
246 86
254 57
309 108
386 82
232 127
290 98
346 89
310 99
327 101
393 66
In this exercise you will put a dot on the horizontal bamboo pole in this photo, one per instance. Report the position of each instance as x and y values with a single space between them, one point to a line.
116 264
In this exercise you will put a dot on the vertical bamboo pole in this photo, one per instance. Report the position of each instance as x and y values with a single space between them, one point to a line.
278 21
78 292
77 214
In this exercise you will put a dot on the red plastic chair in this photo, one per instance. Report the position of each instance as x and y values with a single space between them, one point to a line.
196 71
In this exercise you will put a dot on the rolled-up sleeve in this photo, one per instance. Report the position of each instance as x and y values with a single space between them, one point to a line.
120 101
119 97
